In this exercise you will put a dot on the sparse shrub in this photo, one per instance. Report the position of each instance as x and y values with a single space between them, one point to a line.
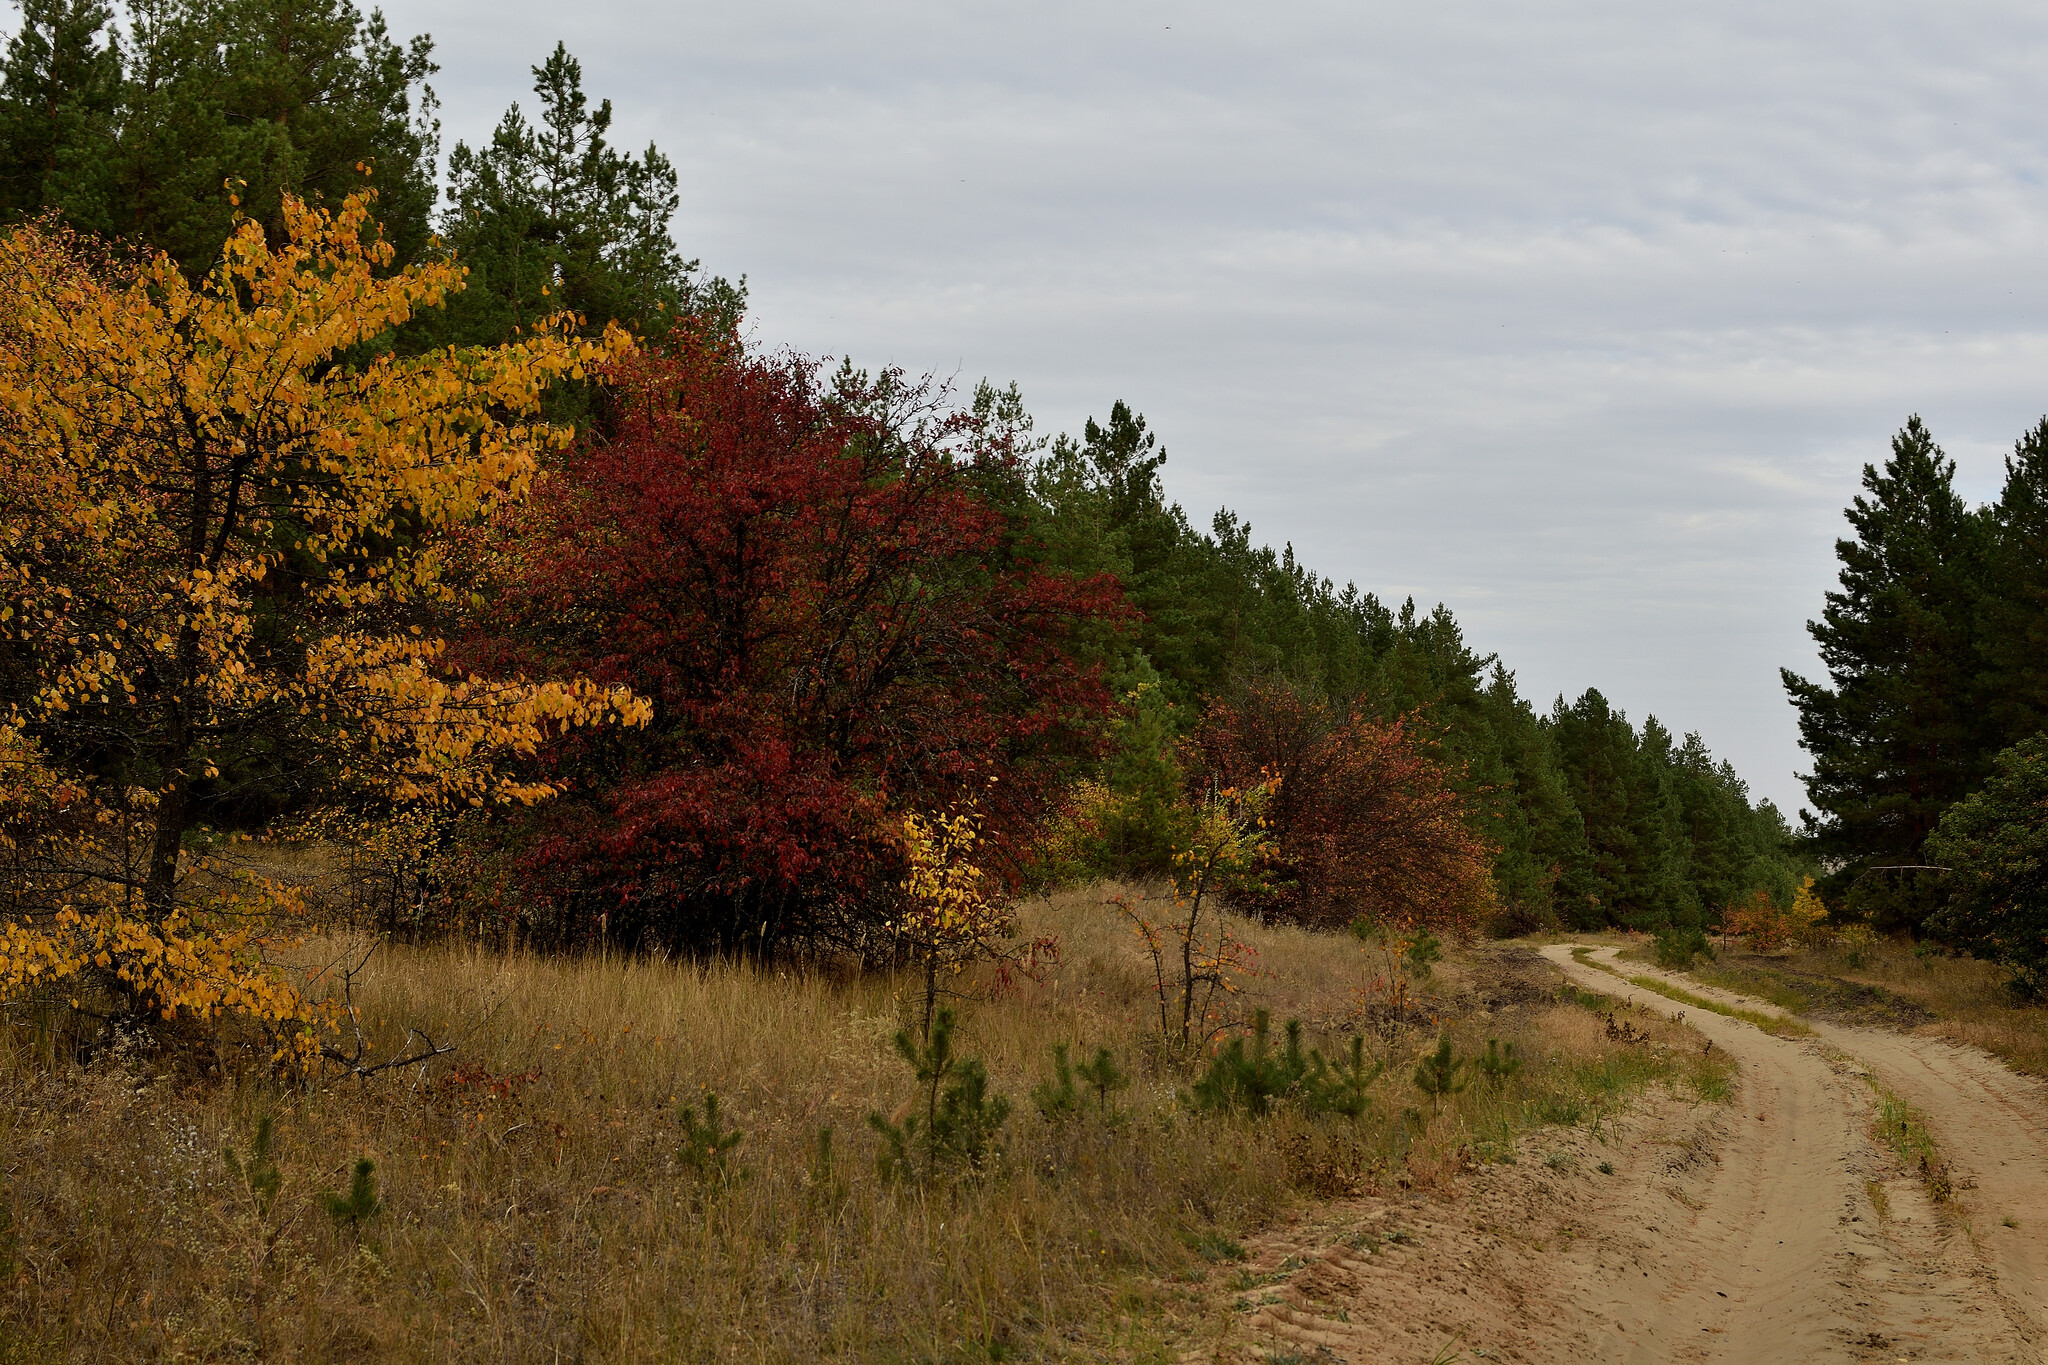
1499 1065
827 1186
707 1143
1854 942
1213 1246
1441 1073
352 1210
1676 948
1223 851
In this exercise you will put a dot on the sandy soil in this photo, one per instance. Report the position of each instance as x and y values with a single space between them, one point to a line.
1775 1229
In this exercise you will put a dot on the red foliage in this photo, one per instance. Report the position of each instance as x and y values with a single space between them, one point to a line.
1365 823
815 585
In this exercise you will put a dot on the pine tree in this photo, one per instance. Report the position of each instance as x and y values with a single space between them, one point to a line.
1620 784
2014 631
1893 734
60 88
549 215
140 140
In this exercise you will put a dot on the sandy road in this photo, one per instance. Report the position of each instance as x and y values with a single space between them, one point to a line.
1780 1252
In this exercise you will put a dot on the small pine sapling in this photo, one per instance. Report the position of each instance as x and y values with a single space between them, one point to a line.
1103 1076
707 1144
1344 1088
1425 950
970 1124
1252 1079
259 1174
360 1204
1056 1098
1500 1065
1440 1074
961 1121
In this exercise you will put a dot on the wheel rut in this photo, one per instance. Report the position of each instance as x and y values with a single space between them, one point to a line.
1775 1228
1810 1243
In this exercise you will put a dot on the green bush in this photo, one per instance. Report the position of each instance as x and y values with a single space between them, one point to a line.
1254 1079
1676 948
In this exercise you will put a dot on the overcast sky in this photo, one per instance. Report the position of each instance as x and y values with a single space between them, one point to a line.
1578 317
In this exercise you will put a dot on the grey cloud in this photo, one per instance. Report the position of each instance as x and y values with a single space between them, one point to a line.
1580 317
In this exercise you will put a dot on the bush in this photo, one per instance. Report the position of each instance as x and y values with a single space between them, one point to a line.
1676 948
1254 1079
1363 821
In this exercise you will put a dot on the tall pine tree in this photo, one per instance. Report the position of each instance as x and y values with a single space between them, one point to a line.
208 102
1894 734
60 95
2014 632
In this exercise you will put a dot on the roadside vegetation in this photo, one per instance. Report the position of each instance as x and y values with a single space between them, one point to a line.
634 1158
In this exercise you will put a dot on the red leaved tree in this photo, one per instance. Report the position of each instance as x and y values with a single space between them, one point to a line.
1364 822
811 577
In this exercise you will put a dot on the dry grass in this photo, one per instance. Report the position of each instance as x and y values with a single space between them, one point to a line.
535 1208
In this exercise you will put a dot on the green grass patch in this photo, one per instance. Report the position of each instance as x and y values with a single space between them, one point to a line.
1769 985
1904 1129
1774 1024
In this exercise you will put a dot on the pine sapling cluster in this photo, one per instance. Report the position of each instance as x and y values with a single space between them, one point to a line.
1247 1075
1060 1098
352 1210
259 1174
1500 1064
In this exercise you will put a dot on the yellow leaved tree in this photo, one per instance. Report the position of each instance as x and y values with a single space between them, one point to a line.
224 556
954 911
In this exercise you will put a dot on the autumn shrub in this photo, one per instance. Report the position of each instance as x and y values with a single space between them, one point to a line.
1198 962
1364 821
1765 927
811 577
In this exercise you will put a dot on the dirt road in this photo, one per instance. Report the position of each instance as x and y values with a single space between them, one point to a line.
1785 1256
1775 1229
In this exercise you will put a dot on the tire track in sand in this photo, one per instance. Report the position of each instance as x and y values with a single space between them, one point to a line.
1778 1254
